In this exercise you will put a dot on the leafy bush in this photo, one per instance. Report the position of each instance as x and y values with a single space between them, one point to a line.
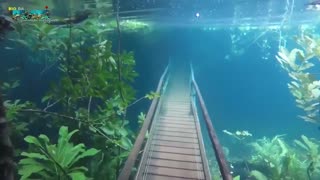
54 161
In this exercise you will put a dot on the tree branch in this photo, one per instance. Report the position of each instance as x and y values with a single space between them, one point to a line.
49 113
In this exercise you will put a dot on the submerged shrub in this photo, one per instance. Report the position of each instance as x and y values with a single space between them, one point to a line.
54 161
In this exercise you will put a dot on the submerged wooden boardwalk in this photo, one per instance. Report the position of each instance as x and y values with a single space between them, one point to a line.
175 149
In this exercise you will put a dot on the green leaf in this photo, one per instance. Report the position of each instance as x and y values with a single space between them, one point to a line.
126 143
28 161
258 175
152 95
28 170
34 155
45 138
15 84
108 130
90 152
77 175
32 140
237 178
123 131
45 98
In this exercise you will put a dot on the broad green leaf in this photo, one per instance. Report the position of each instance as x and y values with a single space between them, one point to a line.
28 170
34 155
32 140
123 132
44 138
126 143
77 175
301 145
108 130
28 161
90 152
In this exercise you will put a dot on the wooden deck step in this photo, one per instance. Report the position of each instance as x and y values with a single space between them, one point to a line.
183 126
177 118
175 172
181 122
172 129
175 113
157 177
178 111
188 117
175 139
176 134
174 150
176 164
175 157
175 144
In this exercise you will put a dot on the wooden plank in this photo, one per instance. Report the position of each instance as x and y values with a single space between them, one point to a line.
176 164
175 172
175 144
172 113
178 108
177 134
180 111
175 139
177 119
164 121
181 105
184 100
176 113
175 157
177 130
157 148
157 177
187 126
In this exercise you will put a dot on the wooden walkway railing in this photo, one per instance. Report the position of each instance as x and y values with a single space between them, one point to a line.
174 149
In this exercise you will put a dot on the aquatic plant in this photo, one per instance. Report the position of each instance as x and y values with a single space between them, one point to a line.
54 161
311 147
13 108
92 93
275 159
304 87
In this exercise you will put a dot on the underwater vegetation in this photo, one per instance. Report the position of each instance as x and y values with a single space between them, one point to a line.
279 157
304 85
82 126
86 101
54 161
275 158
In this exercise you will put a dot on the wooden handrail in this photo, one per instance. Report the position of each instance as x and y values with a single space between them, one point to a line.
126 171
223 166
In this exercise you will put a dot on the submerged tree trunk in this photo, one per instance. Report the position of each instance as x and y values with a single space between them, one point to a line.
7 167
